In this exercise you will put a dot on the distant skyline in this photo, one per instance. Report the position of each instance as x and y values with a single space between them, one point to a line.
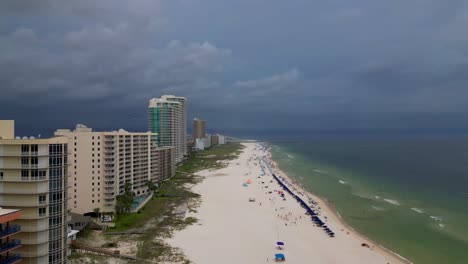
244 65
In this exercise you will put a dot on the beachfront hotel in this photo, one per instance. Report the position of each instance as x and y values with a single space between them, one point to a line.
8 233
34 179
199 128
167 117
101 163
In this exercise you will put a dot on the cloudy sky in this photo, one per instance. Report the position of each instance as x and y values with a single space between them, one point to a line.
245 65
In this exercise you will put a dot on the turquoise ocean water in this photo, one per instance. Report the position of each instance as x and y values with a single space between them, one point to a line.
409 195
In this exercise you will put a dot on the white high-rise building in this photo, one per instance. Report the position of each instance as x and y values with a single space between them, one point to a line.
34 178
101 163
167 117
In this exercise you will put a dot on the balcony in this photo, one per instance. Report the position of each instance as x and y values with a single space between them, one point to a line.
10 231
12 245
12 259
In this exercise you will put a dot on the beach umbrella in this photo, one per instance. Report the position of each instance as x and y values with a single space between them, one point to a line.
279 256
279 243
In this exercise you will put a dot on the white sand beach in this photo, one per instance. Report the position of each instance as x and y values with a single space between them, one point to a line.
231 229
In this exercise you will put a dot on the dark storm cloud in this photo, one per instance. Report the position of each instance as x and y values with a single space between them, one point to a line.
314 64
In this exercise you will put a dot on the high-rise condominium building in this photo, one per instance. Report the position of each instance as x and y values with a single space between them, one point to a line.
167 116
34 178
199 128
101 163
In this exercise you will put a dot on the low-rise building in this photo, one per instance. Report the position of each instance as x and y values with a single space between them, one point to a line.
8 233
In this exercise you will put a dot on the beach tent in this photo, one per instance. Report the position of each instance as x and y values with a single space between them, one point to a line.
280 257
280 244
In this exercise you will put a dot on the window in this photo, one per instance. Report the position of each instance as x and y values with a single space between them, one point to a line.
42 211
24 161
92 201
34 175
42 199
42 175
1 175
25 149
34 160
24 175
34 148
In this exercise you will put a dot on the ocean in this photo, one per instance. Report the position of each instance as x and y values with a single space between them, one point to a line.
408 194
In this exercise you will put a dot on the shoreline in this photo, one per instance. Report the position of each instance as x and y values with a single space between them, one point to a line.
243 214
328 207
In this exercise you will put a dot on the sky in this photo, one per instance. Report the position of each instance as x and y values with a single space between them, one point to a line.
244 65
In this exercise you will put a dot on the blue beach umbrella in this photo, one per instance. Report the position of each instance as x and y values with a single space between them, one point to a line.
279 256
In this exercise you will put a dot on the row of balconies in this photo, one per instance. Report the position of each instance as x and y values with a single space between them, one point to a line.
11 245
11 259
10 231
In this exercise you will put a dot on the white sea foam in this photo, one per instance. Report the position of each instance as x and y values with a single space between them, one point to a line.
317 171
442 225
342 182
421 211
436 218
394 202
377 208
377 197
290 156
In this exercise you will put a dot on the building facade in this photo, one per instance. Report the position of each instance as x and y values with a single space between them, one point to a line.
34 178
167 117
102 163
199 128
8 233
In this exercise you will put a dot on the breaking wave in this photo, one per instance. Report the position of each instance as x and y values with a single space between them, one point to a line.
343 182
436 218
421 211
394 202
377 208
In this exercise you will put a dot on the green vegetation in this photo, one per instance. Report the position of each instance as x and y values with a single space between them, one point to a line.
157 219
124 201
174 191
